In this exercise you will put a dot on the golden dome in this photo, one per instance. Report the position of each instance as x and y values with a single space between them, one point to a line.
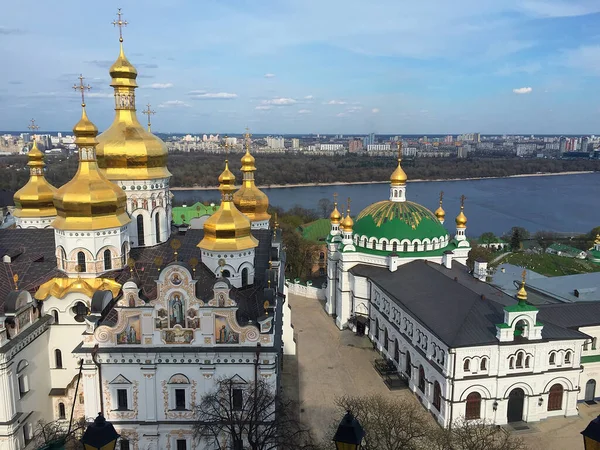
335 217
126 150
440 213
398 177
36 198
249 199
89 201
347 223
522 293
227 229
461 219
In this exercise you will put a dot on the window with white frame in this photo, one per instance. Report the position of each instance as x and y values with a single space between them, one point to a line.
22 378
121 394
179 392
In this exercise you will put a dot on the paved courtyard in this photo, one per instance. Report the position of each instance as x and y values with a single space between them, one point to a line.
331 363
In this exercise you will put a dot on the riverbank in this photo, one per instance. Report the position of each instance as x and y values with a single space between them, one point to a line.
347 183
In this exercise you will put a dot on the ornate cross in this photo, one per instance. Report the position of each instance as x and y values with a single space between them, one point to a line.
335 196
349 205
82 87
226 146
33 127
441 197
247 138
462 201
523 275
120 23
399 150
148 112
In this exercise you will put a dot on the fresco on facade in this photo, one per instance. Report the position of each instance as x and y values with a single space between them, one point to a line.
223 332
176 279
176 307
178 336
162 321
132 334
193 321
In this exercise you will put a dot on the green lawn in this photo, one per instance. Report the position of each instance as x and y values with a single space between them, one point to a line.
550 265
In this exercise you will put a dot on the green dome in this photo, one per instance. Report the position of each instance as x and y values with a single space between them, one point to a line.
398 220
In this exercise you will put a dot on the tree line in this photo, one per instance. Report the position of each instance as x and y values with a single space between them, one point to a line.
203 169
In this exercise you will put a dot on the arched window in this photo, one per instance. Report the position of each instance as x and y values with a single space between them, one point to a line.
80 310
519 360
58 359
61 411
416 247
226 273
467 365
384 246
107 260
421 379
473 410
405 247
552 359
124 254
395 246
245 277
426 246
63 258
81 261
374 244
386 339
157 226
511 362
376 329
568 358
140 230
396 351
364 242
527 361
519 328
55 314
483 365
437 395
555 397
408 368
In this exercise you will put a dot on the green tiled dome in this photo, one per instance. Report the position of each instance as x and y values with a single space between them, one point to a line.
400 220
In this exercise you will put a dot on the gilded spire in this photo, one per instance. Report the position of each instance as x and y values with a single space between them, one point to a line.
461 219
36 198
148 111
347 223
399 177
249 199
440 213
335 217
227 229
89 201
522 293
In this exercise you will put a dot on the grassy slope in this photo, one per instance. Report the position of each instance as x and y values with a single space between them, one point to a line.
551 265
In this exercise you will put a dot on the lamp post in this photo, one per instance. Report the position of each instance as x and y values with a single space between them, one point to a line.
591 435
100 435
349 434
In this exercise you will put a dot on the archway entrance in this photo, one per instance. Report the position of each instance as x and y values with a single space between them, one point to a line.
590 390
361 325
516 399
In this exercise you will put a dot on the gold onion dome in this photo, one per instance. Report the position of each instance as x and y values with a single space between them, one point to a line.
36 198
335 215
347 223
227 229
461 219
398 177
89 201
440 213
249 199
126 150
522 293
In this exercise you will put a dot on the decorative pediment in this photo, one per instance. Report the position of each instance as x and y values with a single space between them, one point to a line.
120 379
176 277
179 378
221 298
236 379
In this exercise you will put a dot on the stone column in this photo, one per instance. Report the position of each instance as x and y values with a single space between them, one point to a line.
150 391
91 391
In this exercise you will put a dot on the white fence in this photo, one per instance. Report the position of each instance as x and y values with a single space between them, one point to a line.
305 291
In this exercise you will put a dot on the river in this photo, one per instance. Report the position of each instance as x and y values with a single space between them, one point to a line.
563 203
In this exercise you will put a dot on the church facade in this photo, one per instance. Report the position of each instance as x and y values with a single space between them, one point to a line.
110 311
466 349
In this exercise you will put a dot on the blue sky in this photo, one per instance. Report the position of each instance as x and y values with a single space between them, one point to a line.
300 66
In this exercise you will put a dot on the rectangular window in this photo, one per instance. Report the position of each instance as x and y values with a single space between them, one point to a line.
122 399
124 444
181 444
237 399
179 398
23 385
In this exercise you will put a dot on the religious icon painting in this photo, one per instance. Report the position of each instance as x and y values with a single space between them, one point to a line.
176 279
176 308
223 332
132 334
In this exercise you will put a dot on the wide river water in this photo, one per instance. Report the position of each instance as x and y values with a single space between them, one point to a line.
564 203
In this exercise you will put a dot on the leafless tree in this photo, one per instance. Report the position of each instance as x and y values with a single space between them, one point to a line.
249 415
54 432
474 435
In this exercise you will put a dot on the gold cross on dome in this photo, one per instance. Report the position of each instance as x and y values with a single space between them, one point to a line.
82 87
462 201
32 126
441 196
148 112
247 138
226 146
335 196
349 205
523 275
120 23
399 150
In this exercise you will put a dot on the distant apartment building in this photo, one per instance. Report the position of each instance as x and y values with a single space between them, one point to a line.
470 137
332 147
409 152
586 144
448 139
462 151
526 149
485 146
355 145
275 142
369 140
295 143
379 147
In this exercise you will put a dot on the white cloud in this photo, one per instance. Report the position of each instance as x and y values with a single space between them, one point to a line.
304 111
264 107
375 110
353 109
586 57
281 101
341 115
308 97
523 90
269 75
100 95
203 95
161 85
174 104
335 102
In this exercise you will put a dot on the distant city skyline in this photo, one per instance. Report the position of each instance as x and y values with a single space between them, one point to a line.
298 67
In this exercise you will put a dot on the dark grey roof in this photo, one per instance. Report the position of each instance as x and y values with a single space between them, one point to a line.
571 315
460 310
